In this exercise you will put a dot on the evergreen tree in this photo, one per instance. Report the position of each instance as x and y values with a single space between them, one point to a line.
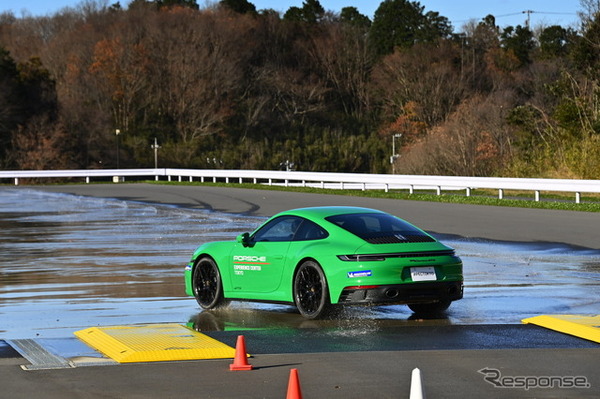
520 41
182 3
10 101
586 52
350 15
312 12
239 6
39 89
402 23
553 42
26 91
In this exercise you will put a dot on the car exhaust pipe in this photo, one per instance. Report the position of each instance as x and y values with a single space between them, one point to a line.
392 293
452 290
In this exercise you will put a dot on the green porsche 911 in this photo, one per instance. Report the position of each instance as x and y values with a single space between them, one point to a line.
323 257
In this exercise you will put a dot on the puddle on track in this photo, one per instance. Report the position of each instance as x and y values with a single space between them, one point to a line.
71 262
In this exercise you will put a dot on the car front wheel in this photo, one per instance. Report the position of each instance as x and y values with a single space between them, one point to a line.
207 285
311 294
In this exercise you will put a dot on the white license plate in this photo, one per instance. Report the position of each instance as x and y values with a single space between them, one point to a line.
423 273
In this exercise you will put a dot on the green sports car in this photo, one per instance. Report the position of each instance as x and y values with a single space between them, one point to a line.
322 257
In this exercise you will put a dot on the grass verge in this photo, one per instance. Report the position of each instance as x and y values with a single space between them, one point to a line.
518 200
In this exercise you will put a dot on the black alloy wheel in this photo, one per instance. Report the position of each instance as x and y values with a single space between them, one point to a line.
311 294
207 285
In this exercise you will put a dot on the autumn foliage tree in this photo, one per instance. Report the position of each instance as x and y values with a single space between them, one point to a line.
224 85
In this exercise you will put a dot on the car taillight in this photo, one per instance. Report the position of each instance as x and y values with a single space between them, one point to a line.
361 258
361 287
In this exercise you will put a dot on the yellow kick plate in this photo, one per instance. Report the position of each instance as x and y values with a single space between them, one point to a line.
154 343
586 327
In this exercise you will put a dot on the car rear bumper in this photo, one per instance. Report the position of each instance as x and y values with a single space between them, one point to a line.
402 293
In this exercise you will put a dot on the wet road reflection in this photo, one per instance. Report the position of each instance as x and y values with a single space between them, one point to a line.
70 262
358 320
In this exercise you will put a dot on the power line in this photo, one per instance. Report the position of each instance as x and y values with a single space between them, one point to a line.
528 12
508 15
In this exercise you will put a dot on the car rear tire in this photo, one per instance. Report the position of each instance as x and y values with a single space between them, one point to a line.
430 308
311 294
207 285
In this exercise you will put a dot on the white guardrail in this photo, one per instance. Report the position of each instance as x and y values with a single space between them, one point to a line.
356 181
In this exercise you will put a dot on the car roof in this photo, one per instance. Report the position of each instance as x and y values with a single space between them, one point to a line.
321 212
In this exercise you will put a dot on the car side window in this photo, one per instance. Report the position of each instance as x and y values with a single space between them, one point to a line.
310 231
281 229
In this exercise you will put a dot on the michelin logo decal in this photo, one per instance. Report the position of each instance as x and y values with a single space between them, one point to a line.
362 273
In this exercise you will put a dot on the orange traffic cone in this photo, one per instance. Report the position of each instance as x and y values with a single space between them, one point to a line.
241 357
294 391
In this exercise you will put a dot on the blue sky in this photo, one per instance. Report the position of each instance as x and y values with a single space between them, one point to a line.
508 12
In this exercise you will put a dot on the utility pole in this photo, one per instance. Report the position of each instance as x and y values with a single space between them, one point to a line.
155 147
528 12
117 132
394 156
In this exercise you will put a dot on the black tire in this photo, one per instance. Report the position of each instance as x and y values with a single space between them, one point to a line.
207 285
430 308
311 294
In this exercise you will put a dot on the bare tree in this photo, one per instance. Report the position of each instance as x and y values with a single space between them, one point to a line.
41 144
200 60
295 94
424 74
341 51
590 12
474 141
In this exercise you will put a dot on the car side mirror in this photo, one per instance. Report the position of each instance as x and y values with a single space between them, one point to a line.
244 239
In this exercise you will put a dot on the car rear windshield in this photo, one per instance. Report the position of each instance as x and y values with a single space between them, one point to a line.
380 228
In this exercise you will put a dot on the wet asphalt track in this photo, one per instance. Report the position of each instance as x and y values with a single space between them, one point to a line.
334 365
580 229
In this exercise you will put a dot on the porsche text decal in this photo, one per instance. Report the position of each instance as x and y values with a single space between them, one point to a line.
242 263
250 259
